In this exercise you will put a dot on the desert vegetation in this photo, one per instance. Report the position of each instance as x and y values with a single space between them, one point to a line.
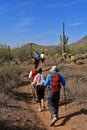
16 63
11 59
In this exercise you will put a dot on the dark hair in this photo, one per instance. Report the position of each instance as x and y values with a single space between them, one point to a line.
39 70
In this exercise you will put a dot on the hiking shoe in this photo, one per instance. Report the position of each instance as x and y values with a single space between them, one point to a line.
40 110
53 121
36 100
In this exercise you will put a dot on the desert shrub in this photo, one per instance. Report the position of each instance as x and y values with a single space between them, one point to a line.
69 55
85 55
4 53
65 55
58 50
81 57
57 55
9 76
76 83
73 59
78 87
21 53
80 62
61 59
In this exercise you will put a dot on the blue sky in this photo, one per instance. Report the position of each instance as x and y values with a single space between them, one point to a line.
40 21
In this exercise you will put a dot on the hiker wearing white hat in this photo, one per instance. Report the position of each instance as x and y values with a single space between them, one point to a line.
54 80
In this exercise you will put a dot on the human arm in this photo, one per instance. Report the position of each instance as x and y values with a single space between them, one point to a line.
47 81
62 80
35 80
30 75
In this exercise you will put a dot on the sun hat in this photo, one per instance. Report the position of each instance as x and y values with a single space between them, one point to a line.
54 68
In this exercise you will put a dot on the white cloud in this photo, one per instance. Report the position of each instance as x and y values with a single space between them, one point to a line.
76 24
63 4
26 21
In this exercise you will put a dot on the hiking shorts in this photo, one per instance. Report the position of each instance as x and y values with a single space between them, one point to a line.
42 60
40 92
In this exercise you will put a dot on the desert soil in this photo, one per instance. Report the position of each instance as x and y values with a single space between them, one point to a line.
75 118
19 112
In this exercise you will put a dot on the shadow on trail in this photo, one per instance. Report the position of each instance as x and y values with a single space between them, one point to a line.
5 125
68 117
26 97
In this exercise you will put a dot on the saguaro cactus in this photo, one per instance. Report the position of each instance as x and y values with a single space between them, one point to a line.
31 51
63 39
9 51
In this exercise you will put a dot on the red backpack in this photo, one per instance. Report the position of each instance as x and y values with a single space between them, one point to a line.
55 82
34 72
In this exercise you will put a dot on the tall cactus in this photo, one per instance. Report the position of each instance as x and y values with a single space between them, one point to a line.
31 50
9 51
63 39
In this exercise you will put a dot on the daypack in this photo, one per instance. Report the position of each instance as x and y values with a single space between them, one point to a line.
37 56
34 72
55 82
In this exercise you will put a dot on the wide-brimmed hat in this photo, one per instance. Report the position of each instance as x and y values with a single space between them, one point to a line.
54 68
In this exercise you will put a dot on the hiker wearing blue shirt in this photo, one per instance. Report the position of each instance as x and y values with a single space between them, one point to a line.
36 60
53 97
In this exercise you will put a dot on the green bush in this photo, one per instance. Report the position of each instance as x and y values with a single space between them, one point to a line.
9 76
4 53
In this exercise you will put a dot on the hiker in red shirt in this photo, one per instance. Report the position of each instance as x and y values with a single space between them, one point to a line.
31 76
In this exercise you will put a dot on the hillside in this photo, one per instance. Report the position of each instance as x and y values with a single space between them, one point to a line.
17 110
80 43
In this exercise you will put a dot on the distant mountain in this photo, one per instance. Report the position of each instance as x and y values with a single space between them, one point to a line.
81 43
78 45
37 47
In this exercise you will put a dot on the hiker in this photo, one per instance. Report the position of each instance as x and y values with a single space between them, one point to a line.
31 76
38 82
36 60
42 59
53 92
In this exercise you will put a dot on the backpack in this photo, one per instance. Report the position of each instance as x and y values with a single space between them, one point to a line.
55 82
37 56
34 72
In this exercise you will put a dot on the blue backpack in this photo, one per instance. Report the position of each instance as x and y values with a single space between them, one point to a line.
37 56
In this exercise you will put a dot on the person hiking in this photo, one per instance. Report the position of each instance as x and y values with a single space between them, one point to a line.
42 59
38 82
36 60
31 76
54 80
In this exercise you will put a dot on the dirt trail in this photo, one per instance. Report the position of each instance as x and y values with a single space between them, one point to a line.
76 118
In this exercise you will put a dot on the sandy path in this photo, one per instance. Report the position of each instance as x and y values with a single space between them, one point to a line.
76 118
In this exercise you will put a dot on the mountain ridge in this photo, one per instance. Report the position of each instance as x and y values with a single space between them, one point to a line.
82 42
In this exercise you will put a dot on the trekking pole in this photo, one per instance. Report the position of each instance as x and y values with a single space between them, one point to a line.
65 99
